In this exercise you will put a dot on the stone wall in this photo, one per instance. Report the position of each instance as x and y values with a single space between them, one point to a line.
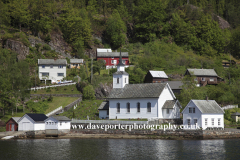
168 134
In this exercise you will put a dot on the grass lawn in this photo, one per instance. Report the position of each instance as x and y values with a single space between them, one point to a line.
2 129
86 108
58 90
59 101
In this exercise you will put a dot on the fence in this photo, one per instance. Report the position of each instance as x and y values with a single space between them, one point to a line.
229 107
109 122
54 111
72 104
57 85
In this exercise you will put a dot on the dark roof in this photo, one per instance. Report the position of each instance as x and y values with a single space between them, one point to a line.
169 104
121 73
104 106
175 84
236 114
112 54
52 61
61 118
208 106
37 117
145 90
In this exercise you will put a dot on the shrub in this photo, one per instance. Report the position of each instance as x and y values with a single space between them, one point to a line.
88 93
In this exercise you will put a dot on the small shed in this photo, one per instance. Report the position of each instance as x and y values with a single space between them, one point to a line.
32 122
236 116
54 124
104 110
155 77
76 63
12 124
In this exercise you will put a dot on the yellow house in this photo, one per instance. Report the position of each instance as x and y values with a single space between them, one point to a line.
75 63
236 116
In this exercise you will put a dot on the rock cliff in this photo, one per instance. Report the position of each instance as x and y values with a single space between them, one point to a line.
21 50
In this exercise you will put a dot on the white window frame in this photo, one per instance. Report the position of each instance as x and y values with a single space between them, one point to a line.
193 110
219 121
43 66
167 110
189 122
190 110
118 80
138 107
118 107
51 66
45 75
206 122
128 107
211 79
203 79
60 66
195 121
212 121
60 73
149 107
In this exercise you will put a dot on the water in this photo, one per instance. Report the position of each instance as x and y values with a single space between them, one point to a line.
119 149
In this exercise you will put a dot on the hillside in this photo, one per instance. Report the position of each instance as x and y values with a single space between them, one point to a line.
158 34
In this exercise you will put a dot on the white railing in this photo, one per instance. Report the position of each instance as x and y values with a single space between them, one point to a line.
109 122
57 85
54 111
230 107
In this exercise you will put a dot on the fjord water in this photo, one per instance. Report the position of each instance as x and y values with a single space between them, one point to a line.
118 149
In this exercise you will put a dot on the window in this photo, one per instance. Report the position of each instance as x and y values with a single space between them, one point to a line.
193 109
206 121
219 121
60 66
167 111
118 107
117 80
195 79
212 121
46 122
125 80
203 79
113 61
60 123
148 107
43 66
128 107
211 79
60 74
45 74
190 110
123 61
195 121
188 122
51 66
138 107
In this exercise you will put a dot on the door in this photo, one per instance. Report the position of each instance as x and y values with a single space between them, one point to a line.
12 127
26 126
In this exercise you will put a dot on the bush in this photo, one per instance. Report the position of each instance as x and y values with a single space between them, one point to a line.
88 93
46 47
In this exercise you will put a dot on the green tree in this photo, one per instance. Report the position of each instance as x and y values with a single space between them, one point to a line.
88 93
116 30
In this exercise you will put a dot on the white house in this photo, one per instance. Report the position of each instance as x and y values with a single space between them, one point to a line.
206 113
53 70
148 100
32 122
57 123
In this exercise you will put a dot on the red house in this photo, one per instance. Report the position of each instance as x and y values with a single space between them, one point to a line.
12 124
112 58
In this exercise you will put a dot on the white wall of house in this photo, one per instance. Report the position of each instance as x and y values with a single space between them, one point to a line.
51 123
103 114
64 125
133 108
165 95
173 113
123 80
213 117
26 124
39 126
54 72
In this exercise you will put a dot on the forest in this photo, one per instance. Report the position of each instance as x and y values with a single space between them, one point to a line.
169 35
